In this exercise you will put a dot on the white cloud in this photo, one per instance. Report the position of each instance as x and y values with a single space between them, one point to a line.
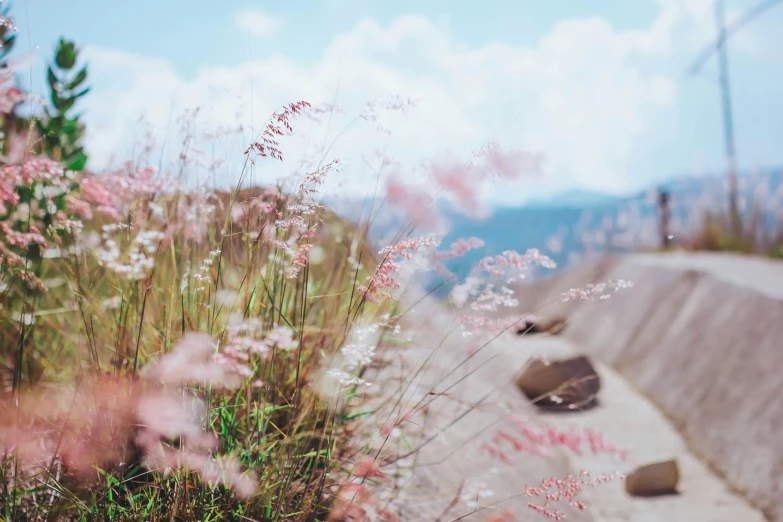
587 95
256 22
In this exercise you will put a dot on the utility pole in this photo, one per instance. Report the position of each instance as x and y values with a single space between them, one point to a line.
728 122
665 215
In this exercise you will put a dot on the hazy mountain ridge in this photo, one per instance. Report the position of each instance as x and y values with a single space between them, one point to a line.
569 226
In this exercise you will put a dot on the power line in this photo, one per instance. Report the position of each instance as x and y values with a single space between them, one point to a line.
748 16
719 46
728 121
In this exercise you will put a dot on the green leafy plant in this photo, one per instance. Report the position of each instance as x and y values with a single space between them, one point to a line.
10 123
62 133
7 37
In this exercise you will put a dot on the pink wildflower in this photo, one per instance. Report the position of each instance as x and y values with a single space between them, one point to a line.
22 239
521 445
98 423
277 126
168 417
282 245
316 112
572 440
495 452
416 203
313 179
492 325
509 165
387 428
299 260
500 516
112 193
10 98
383 280
348 506
367 468
295 221
191 361
372 109
460 248
512 259
587 292
456 180
489 299
355 503
562 490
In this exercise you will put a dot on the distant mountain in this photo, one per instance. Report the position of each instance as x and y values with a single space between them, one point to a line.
577 223
575 198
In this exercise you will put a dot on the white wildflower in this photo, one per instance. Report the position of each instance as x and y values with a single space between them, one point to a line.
112 303
474 493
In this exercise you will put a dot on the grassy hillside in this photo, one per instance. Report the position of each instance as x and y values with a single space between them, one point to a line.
169 354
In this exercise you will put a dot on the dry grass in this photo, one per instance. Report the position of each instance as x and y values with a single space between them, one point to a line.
96 329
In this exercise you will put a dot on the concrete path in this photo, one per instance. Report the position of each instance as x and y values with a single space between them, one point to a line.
471 403
699 335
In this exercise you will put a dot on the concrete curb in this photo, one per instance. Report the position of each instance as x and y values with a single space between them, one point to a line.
700 335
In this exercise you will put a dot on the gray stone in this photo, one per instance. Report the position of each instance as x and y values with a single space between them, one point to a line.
550 326
567 384
659 478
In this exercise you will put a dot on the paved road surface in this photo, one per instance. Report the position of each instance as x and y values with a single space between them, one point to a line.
467 405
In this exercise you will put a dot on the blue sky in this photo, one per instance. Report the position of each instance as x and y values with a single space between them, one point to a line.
598 87
199 32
